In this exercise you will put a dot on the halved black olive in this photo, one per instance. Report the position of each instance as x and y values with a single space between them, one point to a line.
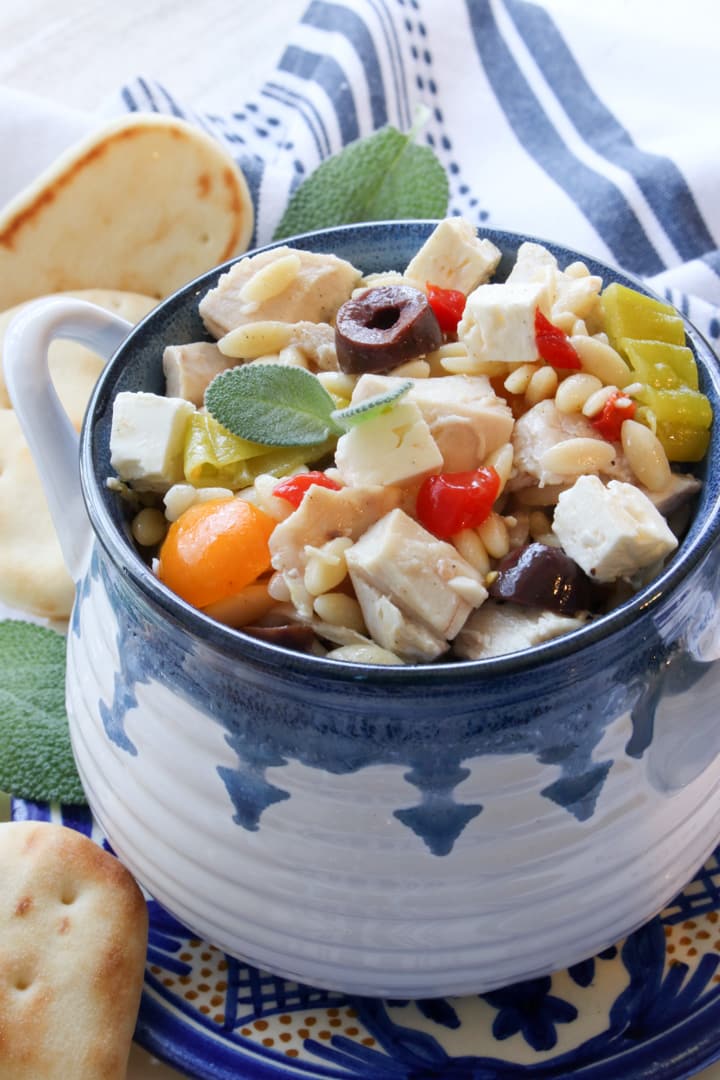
385 327
542 576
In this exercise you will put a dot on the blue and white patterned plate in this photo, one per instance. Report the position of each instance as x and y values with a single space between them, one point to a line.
646 1008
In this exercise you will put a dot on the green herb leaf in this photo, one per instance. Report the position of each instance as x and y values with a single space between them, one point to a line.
36 759
353 415
272 404
383 177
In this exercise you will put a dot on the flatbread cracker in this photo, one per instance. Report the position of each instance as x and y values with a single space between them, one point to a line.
73 941
33 577
144 205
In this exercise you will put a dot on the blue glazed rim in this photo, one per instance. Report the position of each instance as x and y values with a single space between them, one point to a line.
355 242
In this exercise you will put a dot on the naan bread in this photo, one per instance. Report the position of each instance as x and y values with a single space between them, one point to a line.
73 941
33 577
144 205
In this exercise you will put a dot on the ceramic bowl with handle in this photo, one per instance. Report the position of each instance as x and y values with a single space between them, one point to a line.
400 831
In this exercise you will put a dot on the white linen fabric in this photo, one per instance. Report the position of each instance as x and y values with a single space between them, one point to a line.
594 125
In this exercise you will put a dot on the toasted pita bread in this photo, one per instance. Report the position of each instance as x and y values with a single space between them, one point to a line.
73 940
33 577
144 205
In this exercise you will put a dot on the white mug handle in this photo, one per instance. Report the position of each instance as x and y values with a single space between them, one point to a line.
50 435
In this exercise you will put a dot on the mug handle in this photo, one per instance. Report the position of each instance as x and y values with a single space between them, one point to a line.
48 431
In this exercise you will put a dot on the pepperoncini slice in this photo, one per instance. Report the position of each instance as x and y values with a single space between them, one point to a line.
631 314
661 364
682 442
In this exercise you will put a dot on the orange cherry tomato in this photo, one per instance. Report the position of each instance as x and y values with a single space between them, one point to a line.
215 549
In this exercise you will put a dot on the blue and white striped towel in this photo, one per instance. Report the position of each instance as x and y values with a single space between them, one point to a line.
594 125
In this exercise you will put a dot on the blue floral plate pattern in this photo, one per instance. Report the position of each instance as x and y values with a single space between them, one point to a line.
648 1007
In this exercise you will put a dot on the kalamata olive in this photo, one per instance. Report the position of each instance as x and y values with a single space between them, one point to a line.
542 576
385 327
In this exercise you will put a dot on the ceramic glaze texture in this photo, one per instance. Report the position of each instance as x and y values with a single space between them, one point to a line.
413 831
354 844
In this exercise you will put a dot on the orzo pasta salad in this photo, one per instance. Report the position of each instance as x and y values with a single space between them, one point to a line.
420 465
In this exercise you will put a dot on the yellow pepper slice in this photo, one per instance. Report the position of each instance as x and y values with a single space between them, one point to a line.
631 314
658 363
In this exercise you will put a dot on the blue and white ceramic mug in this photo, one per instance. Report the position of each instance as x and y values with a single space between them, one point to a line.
396 831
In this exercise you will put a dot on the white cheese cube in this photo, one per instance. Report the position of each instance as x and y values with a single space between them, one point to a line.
535 265
613 531
499 322
392 447
467 420
497 629
147 439
426 578
454 257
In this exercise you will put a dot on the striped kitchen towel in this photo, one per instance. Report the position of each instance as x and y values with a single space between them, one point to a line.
593 125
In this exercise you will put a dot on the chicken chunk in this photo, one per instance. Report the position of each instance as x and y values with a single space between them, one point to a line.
543 427
425 578
311 287
189 369
466 418
324 514
498 629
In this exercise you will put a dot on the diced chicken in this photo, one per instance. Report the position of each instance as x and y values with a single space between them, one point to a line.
498 323
316 341
324 514
613 531
147 439
543 427
498 629
390 628
313 293
454 257
466 418
424 577
393 447
678 492
189 369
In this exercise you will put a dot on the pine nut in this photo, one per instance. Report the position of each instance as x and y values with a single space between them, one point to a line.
574 457
645 455
600 359
573 392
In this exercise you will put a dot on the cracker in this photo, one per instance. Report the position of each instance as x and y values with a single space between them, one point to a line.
33 577
73 940
144 205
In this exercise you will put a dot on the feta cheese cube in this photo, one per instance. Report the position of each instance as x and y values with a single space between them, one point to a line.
392 447
426 578
454 257
499 322
613 531
147 439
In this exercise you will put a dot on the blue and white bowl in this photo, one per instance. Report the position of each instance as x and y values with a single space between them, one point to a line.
394 831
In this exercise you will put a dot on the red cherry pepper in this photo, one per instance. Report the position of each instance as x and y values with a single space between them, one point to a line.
553 345
609 420
450 502
448 306
294 487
